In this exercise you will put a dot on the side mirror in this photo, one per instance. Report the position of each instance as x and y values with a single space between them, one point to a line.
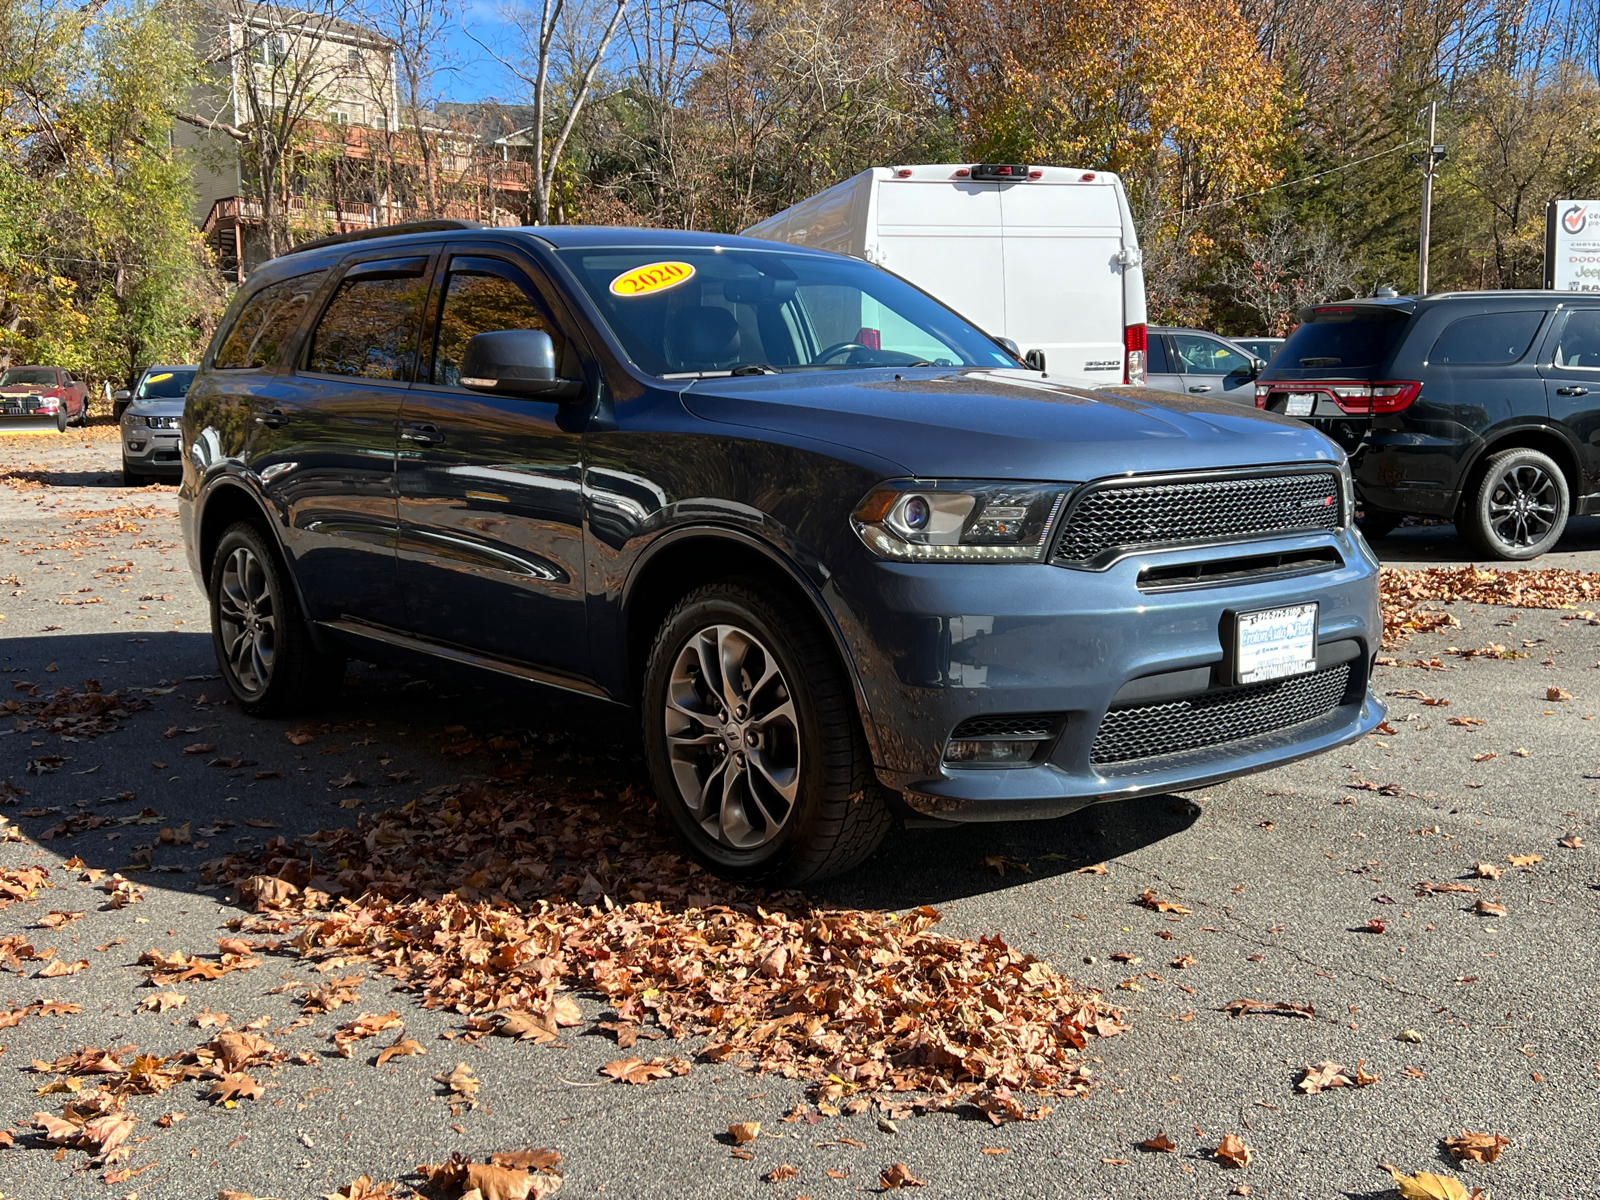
1035 359
1014 349
516 362
1257 365
124 394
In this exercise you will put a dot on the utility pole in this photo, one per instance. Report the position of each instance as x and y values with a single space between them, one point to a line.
1431 156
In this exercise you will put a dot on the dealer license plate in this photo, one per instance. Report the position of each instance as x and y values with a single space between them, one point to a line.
1300 404
1276 643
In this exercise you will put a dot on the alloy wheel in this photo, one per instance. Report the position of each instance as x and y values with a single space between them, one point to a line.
733 737
1523 506
248 621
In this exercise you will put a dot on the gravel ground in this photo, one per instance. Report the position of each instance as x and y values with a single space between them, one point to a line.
1283 871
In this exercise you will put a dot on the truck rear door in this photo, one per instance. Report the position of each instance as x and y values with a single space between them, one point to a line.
945 237
1063 283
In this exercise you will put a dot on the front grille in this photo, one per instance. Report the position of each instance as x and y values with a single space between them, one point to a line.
1216 718
1118 516
1024 725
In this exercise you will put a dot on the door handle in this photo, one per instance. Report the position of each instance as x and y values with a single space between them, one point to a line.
276 419
422 435
1201 387
1572 391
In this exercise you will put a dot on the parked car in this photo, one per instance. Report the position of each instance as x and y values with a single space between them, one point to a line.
1045 257
834 577
152 412
1200 363
44 392
1478 407
1263 347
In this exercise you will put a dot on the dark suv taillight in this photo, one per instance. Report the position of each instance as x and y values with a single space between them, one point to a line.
1355 399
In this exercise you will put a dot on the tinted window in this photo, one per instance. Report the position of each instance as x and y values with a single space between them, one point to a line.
166 385
482 295
1155 355
1580 340
369 328
265 323
1486 339
1343 339
1206 356
684 310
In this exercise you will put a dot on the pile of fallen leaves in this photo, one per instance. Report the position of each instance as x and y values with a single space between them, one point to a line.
1404 594
494 902
71 715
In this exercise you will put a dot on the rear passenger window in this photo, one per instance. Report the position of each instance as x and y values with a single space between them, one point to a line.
369 328
265 323
1155 355
1486 340
1580 340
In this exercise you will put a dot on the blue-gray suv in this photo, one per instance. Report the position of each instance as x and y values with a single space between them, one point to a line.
840 551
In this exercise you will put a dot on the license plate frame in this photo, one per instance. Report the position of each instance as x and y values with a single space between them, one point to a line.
1275 643
1300 404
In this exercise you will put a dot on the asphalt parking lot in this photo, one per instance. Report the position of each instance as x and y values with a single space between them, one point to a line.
1346 887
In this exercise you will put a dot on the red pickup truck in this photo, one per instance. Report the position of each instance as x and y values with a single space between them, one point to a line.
44 392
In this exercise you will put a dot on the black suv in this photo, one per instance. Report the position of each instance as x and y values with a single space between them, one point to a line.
841 552
1479 407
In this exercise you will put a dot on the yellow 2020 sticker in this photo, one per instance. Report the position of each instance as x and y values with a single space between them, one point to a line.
652 277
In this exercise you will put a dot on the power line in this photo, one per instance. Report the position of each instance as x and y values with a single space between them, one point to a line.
1178 212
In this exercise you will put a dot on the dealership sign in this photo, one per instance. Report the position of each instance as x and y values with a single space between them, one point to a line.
1572 245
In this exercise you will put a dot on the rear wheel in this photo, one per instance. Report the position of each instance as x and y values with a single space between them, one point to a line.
1519 508
261 637
753 739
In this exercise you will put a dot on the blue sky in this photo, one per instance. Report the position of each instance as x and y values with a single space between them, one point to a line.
478 75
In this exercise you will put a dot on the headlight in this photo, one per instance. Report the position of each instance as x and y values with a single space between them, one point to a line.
959 521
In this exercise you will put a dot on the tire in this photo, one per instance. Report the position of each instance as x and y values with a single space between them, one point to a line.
1519 507
61 417
794 739
262 641
131 478
1375 523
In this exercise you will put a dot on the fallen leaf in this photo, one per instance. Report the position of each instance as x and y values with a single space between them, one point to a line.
59 967
260 823
1232 1152
507 1183
1524 860
1092 869
1475 1147
899 1176
401 1046
1426 1186
1555 693
744 1131
780 1173
234 1087
1409 1035
1149 900
1486 909
1571 842
55 920
999 862
461 1082
633 1070
200 748
367 1188
1485 870
163 1002
1160 1144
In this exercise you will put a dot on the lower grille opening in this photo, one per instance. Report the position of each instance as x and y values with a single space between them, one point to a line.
1217 718
1018 725
1230 570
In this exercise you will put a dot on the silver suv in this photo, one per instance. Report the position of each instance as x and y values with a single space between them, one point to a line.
150 421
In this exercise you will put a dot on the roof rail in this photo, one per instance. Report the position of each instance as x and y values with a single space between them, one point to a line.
377 231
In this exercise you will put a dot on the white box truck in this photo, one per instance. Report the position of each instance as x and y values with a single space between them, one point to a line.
1046 257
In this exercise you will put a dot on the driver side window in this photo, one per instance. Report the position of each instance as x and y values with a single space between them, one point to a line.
483 295
1206 356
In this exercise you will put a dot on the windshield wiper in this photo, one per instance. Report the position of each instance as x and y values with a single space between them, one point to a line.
753 369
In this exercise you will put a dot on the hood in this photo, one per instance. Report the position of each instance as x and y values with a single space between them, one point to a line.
170 406
27 389
1008 424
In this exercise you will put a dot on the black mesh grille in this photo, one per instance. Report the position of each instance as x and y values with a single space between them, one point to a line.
1213 718
1024 725
1120 516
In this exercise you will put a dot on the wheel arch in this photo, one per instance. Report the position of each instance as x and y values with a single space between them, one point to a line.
679 561
1549 440
229 501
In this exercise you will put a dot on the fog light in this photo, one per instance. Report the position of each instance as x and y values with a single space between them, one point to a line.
135 446
1006 753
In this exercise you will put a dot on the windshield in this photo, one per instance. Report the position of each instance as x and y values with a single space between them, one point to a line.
25 376
1343 339
681 311
166 385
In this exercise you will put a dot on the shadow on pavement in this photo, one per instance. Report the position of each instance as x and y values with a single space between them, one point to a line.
1443 545
389 736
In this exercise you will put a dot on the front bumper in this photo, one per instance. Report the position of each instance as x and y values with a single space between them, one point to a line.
934 645
151 451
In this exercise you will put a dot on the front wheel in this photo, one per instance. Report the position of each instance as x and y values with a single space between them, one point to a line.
132 478
261 637
1519 508
753 740
61 417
